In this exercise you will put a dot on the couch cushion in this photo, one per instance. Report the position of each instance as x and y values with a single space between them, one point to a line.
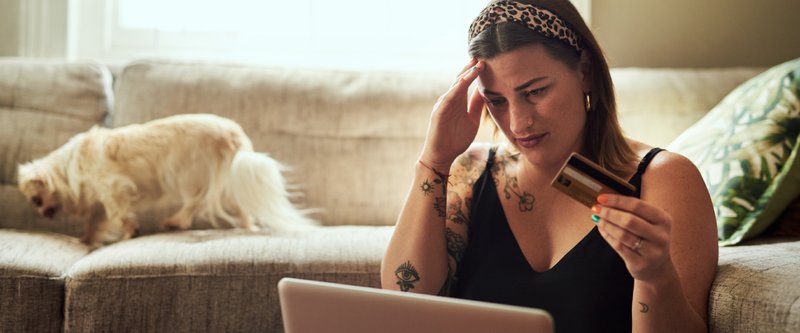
756 288
42 104
212 280
352 138
32 270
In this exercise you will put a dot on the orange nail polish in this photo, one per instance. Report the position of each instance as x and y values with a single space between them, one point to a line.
602 199
596 209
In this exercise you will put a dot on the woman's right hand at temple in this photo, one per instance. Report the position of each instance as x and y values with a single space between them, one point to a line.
454 121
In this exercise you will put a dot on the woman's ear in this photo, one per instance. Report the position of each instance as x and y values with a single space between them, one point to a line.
585 67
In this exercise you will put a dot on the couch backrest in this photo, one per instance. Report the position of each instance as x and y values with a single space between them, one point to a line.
352 138
656 105
42 104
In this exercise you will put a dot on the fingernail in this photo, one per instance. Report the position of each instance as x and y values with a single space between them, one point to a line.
602 199
596 209
595 218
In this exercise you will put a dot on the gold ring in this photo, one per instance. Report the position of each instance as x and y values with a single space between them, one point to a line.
638 244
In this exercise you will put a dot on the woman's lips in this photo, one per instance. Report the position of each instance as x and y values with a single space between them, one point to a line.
531 140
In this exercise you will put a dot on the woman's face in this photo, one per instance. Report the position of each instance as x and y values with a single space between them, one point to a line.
537 101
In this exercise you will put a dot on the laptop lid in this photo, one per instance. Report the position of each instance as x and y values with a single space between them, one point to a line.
313 307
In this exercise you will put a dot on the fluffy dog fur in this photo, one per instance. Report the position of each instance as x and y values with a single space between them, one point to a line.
203 163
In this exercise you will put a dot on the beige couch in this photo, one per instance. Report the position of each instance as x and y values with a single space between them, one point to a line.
351 138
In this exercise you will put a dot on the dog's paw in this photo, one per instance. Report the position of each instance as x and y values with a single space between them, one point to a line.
172 224
130 229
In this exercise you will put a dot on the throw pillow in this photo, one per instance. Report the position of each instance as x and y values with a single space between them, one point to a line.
746 149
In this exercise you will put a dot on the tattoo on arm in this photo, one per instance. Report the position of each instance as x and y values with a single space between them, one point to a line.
455 245
645 308
457 215
426 187
439 205
407 276
439 202
455 249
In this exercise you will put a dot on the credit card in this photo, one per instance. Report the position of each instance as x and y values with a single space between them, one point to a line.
584 180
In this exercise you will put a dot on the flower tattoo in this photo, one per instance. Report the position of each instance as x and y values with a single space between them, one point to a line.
526 201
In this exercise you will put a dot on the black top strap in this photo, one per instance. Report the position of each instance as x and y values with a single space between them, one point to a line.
489 162
636 180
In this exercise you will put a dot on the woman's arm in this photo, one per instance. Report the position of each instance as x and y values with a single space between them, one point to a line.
431 231
675 262
417 256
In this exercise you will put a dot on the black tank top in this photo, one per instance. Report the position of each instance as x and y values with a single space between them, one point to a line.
588 290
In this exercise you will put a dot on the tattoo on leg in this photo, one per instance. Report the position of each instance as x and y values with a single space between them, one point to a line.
645 308
407 276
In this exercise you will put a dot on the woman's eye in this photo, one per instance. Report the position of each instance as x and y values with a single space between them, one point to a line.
496 101
535 92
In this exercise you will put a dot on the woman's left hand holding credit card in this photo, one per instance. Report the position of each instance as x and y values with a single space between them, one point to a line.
638 231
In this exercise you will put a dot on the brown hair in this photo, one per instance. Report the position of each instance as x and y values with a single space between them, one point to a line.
603 140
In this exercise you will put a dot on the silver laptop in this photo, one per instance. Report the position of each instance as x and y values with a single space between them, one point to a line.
319 307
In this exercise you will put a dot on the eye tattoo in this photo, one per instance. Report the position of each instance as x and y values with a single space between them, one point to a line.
406 276
426 187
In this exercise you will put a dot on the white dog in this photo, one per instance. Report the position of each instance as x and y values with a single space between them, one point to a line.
204 163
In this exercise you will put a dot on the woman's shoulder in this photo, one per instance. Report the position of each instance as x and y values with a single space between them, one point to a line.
669 170
471 160
469 166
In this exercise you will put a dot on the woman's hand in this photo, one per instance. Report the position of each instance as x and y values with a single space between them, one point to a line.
639 232
454 121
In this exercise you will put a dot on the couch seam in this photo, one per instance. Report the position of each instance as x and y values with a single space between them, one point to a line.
199 275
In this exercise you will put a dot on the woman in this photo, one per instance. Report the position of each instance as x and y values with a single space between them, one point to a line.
484 223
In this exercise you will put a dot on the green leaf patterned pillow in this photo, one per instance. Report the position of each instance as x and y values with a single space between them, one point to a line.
746 149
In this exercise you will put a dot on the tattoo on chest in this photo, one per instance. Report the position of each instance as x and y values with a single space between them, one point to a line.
503 170
407 276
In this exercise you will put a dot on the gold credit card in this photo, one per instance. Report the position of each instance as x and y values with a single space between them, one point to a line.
583 180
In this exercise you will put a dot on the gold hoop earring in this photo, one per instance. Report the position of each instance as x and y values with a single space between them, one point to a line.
587 101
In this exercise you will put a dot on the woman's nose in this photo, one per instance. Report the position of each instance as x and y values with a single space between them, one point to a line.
521 121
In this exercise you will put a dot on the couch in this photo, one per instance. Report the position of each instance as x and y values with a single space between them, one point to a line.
351 140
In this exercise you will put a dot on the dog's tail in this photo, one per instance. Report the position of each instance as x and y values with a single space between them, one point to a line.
258 186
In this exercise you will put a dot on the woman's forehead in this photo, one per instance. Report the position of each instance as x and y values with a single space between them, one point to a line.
509 70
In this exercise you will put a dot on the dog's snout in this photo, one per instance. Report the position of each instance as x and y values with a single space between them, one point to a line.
49 212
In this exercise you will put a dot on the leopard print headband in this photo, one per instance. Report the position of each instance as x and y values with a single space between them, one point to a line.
537 19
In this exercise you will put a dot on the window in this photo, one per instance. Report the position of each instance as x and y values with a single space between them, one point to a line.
346 34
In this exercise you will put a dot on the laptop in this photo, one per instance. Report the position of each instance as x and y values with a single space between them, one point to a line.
317 307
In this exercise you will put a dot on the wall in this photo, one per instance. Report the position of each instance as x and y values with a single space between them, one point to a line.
9 27
644 33
697 33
